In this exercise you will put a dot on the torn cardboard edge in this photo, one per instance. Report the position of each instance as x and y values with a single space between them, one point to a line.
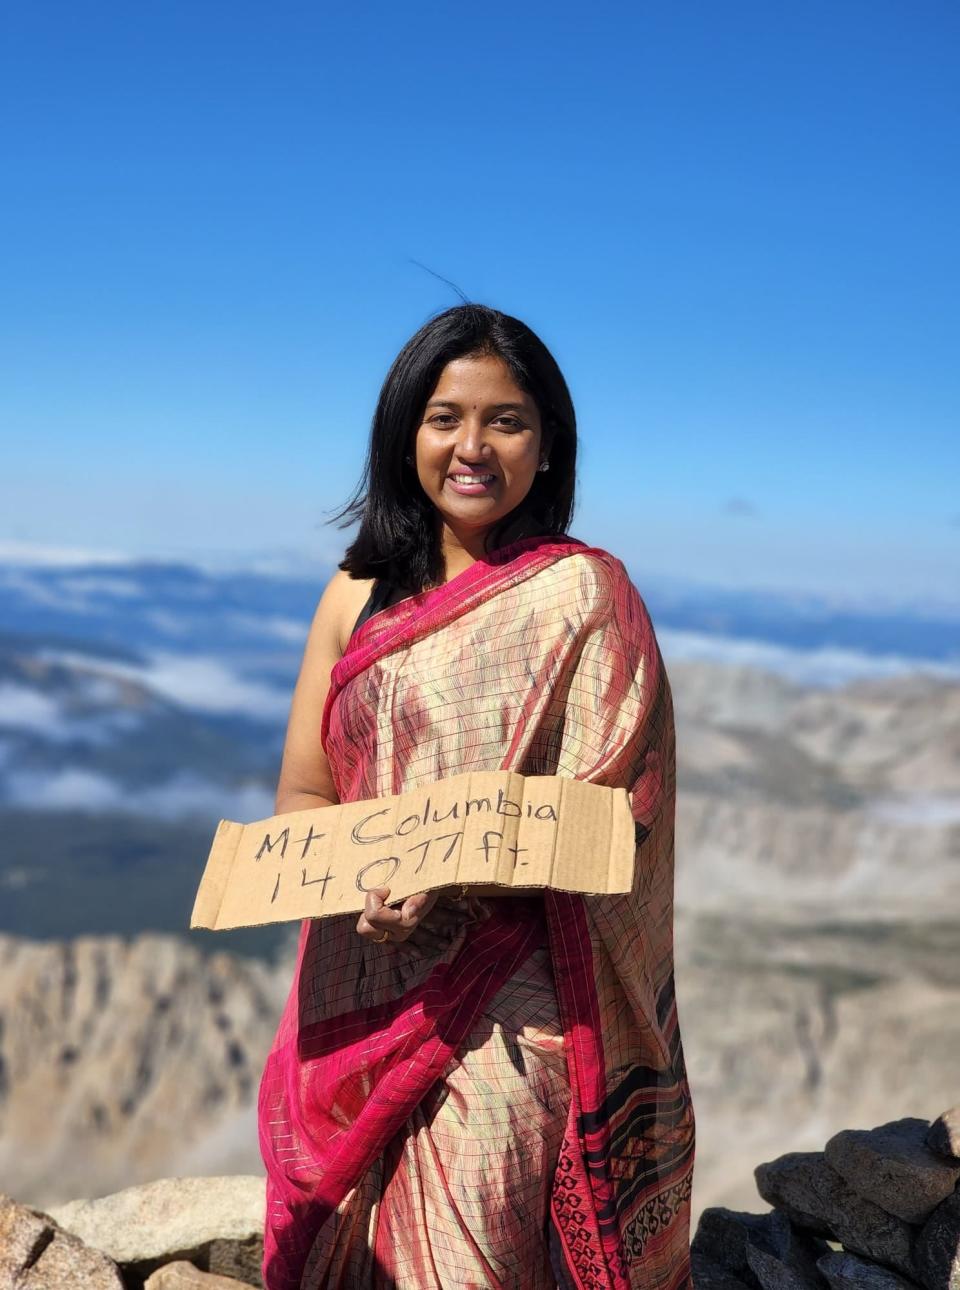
488 827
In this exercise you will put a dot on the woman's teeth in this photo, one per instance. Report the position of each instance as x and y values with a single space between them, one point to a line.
472 479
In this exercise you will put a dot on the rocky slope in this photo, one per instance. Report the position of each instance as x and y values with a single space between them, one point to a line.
120 1061
814 799
817 938
794 1031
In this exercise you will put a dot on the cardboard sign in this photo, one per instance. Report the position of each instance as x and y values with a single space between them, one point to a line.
490 827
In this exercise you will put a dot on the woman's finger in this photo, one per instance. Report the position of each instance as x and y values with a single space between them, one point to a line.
377 912
417 907
378 917
376 899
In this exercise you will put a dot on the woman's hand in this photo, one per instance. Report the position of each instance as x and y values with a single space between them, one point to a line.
378 917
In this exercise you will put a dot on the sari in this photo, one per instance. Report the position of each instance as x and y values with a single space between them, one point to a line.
509 1105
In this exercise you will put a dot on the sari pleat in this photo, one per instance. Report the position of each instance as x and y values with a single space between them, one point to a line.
461 1197
505 1103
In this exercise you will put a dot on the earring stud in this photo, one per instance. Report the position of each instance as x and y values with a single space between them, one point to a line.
544 465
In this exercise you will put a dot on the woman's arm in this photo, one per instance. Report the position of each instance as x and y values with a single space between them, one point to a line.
305 777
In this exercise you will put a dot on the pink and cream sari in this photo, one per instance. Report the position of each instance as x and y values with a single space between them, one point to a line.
506 1103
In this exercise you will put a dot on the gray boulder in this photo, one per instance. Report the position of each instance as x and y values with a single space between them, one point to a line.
36 1255
943 1135
761 1250
785 1256
892 1166
214 1223
847 1271
773 1274
721 1237
813 1195
938 1247
708 1275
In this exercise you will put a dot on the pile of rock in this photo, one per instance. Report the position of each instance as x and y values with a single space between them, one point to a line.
878 1209
175 1234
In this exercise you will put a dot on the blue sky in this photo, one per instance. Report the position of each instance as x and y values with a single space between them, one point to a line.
734 225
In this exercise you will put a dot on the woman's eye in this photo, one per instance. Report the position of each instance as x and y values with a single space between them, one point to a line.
507 421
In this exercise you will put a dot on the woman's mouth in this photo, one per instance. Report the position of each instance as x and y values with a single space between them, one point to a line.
471 484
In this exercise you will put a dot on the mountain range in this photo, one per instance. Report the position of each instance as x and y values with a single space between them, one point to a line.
817 879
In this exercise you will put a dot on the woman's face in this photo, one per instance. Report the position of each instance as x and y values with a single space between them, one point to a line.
478 444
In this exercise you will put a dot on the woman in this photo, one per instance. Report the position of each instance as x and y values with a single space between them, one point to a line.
480 1089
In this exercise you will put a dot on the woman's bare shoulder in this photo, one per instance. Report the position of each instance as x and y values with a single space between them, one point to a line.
340 604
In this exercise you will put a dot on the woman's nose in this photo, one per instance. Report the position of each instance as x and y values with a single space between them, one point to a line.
472 440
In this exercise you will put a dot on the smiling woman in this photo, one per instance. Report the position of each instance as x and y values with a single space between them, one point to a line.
482 1087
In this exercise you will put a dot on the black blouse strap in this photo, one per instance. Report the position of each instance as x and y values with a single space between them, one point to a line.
382 594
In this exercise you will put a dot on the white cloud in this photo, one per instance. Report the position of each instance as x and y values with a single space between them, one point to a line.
171 624
102 585
37 592
201 683
208 685
827 666
22 708
39 556
184 796
73 593
189 796
33 712
291 630
62 790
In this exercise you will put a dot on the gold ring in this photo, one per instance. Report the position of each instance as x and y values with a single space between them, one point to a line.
378 940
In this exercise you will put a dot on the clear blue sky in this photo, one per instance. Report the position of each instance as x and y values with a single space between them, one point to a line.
735 225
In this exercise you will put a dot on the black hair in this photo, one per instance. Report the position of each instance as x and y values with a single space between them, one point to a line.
399 538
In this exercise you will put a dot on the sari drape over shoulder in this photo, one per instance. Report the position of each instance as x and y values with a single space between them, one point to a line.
509 1105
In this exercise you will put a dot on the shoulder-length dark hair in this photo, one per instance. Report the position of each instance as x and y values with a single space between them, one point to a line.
399 537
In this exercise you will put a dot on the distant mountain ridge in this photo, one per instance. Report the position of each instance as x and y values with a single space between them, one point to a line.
140 604
139 704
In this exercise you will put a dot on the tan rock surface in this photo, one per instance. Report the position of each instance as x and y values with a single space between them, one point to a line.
943 1135
168 1217
36 1255
118 1059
